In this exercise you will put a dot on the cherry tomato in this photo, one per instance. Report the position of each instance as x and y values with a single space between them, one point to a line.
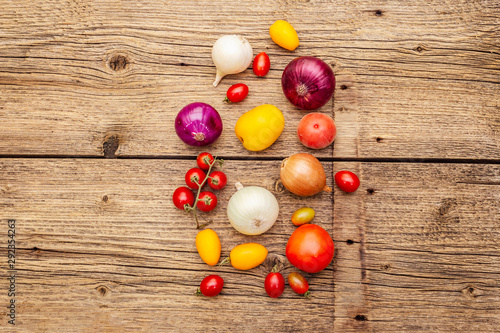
217 180
207 201
194 177
208 246
310 248
261 64
298 283
204 160
211 286
236 93
347 181
302 216
247 256
183 196
274 284
316 130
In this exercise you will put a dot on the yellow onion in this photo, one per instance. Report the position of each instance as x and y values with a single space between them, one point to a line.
302 174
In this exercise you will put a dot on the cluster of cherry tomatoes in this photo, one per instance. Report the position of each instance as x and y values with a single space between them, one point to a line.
196 179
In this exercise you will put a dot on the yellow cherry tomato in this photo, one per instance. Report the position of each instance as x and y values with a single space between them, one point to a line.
208 246
283 34
302 216
258 128
247 256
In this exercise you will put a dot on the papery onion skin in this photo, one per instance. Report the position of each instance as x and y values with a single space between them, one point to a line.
308 82
198 124
252 210
303 175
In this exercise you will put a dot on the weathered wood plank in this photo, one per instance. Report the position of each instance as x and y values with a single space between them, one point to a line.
415 80
101 247
418 249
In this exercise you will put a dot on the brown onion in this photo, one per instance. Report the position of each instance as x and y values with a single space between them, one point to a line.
302 174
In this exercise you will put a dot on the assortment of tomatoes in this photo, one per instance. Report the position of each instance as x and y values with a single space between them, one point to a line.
310 248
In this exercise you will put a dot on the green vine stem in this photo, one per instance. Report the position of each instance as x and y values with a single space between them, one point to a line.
192 209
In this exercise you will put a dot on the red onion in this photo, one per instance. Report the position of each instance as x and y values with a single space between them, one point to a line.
308 83
198 124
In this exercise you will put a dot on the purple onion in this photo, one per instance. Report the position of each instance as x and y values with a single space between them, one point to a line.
198 124
308 83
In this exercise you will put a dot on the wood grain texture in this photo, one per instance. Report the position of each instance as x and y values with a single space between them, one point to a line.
414 80
101 248
418 249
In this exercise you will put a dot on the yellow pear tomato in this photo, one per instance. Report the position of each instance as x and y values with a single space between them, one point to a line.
247 256
208 246
283 34
302 216
258 128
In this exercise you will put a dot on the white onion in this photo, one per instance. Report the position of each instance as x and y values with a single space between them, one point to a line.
252 210
231 54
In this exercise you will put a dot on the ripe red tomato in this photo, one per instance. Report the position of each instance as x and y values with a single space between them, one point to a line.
207 201
183 196
194 178
217 180
211 286
204 160
274 284
298 283
310 248
347 181
316 130
236 93
261 64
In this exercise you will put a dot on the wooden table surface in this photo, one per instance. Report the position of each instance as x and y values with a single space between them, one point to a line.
89 160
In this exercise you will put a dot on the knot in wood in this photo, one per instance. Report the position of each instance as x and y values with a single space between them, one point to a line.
110 146
360 317
278 186
118 62
102 290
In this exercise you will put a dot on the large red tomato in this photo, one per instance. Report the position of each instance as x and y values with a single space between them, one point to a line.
310 248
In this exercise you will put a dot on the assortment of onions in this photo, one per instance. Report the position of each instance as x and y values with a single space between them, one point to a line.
303 175
308 83
252 210
231 54
198 124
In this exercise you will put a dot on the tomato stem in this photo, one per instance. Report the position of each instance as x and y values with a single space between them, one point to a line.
197 198
225 261
307 294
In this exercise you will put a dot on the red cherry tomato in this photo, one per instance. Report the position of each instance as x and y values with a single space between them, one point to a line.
298 283
310 248
274 284
183 196
207 201
194 177
316 130
261 64
217 180
236 93
204 160
347 181
211 286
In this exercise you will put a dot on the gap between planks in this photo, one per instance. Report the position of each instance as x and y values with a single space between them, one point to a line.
266 158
